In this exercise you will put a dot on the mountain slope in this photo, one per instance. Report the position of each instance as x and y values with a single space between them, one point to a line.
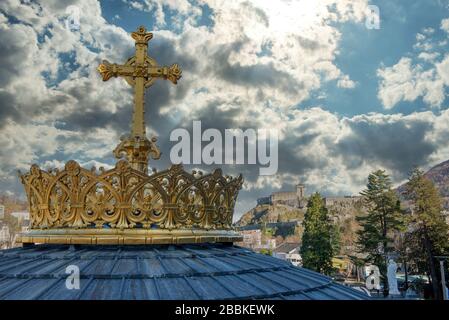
270 213
439 175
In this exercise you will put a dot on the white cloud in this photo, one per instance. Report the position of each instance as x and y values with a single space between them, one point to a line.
429 57
346 82
408 80
256 63
442 69
445 25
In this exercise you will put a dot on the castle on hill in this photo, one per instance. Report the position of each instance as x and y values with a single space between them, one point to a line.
290 198
298 199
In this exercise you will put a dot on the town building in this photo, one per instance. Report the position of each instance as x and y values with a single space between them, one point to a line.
25 225
5 236
298 199
4 233
21 215
252 239
289 251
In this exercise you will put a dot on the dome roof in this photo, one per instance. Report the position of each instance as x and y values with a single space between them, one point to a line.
189 271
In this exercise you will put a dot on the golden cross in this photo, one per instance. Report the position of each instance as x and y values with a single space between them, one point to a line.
140 71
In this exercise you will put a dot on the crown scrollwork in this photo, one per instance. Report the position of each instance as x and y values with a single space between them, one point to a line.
125 198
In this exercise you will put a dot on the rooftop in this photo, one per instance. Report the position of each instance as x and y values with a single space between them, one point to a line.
287 247
190 271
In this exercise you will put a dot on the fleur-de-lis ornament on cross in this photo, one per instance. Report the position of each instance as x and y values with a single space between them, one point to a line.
140 71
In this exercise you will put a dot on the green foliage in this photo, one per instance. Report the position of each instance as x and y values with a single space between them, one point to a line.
285 230
317 247
384 218
428 232
268 231
290 215
267 252
335 239
427 210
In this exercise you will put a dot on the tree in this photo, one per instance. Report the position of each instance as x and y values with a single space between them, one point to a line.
375 238
335 239
428 230
317 248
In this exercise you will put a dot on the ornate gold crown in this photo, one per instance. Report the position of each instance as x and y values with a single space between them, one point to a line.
123 205
126 205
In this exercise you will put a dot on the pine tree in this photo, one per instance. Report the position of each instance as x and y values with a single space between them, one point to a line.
378 226
428 230
336 239
317 247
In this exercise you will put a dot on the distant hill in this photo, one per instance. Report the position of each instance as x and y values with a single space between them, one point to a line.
341 210
439 175
286 220
269 214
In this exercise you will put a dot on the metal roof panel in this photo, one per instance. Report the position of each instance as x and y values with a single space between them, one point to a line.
202 271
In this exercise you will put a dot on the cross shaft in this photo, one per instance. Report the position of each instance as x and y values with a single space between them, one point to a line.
140 71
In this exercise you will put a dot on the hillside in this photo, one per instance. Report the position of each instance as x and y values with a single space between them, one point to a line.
341 213
439 175
270 213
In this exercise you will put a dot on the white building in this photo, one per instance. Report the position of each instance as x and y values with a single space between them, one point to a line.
2 212
5 235
21 215
251 238
270 244
289 251
25 227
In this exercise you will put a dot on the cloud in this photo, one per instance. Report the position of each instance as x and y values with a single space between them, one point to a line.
407 82
424 76
390 141
346 82
334 154
445 25
251 67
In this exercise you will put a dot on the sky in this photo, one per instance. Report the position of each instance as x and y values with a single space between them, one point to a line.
346 99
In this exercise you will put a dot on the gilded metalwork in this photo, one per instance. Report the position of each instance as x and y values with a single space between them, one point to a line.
140 71
126 205
127 236
125 198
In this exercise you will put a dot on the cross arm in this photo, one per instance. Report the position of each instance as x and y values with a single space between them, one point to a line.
109 70
172 73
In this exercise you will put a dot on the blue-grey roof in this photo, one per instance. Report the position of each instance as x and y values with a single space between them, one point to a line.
201 271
